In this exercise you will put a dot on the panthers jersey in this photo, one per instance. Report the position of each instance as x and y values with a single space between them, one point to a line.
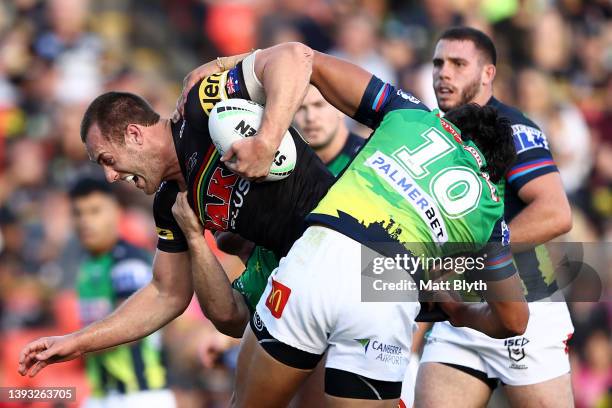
415 183
102 283
270 214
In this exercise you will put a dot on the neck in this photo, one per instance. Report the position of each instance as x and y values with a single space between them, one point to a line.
333 148
173 168
483 97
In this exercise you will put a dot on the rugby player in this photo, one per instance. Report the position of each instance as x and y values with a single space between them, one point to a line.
139 133
324 129
131 142
312 301
111 270
460 366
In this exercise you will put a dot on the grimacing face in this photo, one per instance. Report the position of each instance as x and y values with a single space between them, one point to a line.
458 68
317 119
96 218
132 162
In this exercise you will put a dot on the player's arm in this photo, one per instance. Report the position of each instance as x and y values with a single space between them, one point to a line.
504 315
150 308
547 214
222 304
506 312
233 244
535 178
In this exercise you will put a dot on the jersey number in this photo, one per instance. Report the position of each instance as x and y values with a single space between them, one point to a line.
456 189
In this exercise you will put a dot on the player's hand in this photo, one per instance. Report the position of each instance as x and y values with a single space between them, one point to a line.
452 305
185 217
47 350
189 81
250 157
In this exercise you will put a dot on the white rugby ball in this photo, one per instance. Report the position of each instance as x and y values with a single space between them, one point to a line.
232 119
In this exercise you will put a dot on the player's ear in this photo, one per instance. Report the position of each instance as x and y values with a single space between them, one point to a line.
133 134
488 74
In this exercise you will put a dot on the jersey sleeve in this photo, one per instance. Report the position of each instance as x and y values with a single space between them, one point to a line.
170 237
533 156
498 261
209 91
129 275
381 98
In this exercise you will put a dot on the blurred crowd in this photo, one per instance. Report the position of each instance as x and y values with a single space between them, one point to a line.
554 63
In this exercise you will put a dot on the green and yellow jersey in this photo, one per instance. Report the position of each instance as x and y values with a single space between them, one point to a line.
103 283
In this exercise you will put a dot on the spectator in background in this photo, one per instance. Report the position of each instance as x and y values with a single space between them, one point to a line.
130 375
564 125
357 41
75 52
593 377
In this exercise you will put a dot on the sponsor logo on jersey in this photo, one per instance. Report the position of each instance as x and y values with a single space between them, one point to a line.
505 233
449 128
409 97
384 352
164 233
516 351
242 190
276 301
220 188
485 176
211 92
395 175
527 138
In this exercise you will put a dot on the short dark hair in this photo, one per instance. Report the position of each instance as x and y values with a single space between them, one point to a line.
113 111
491 133
480 40
89 185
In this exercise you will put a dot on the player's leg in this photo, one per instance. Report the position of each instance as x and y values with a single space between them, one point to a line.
262 380
441 385
347 390
555 393
311 393
535 366
451 371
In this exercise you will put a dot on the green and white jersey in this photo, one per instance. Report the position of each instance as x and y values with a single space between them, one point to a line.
415 183
102 283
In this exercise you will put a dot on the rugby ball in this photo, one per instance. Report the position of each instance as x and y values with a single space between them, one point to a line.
233 119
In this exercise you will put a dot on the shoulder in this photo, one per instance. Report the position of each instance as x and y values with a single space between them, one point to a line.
514 115
526 133
353 143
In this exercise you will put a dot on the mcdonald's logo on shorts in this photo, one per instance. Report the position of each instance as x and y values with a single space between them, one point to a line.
278 298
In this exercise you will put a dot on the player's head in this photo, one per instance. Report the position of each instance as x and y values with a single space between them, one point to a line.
96 214
463 67
118 129
318 120
490 132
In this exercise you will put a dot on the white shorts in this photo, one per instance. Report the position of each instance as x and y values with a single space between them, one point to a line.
152 398
537 356
313 303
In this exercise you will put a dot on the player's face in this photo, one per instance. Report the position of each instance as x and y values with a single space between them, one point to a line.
134 161
457 73
96 218
317 119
